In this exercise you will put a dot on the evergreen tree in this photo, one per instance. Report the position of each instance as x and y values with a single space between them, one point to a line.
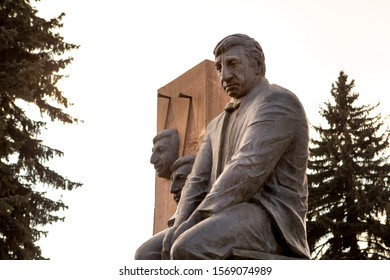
31 60
349 193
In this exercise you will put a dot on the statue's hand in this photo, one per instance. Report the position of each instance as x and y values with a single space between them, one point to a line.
182 228
167 243
174 232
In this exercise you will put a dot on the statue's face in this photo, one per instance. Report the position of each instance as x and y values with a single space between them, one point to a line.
237 75
179 177
163 156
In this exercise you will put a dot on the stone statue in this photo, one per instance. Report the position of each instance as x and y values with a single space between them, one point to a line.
165 151
247 191
151 249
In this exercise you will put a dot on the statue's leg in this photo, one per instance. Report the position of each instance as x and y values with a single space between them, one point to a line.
245 226
151 249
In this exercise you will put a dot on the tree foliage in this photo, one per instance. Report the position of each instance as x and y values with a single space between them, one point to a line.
31 60
349 171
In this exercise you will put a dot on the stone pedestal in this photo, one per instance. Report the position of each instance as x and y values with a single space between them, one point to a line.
187 104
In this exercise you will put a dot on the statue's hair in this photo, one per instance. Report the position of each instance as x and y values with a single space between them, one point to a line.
253 49
171 133
189 159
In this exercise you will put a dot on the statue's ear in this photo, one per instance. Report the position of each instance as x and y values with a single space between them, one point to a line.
258 69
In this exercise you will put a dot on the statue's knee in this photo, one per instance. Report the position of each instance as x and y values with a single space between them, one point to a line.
178 252
142 253
147 253
139 254
181 250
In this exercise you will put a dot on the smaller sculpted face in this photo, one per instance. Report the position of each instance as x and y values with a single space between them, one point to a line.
179 177
163 156
236 74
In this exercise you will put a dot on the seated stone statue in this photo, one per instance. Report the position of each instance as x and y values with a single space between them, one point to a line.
165 151
247 191
151 249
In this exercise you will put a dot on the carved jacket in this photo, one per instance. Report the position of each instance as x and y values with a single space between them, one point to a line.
262 160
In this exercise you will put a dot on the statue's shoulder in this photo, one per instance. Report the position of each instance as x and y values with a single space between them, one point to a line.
277 93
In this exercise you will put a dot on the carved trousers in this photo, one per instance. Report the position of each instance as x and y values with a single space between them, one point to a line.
245 226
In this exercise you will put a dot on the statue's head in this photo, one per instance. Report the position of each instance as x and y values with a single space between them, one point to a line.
165 151
181 168
240 63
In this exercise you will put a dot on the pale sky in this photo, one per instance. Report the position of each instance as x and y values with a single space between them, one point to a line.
129 49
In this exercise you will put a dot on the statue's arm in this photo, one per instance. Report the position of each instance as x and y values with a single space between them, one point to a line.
197 184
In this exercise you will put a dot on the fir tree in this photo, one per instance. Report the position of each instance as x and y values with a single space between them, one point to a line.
31 60
349 193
